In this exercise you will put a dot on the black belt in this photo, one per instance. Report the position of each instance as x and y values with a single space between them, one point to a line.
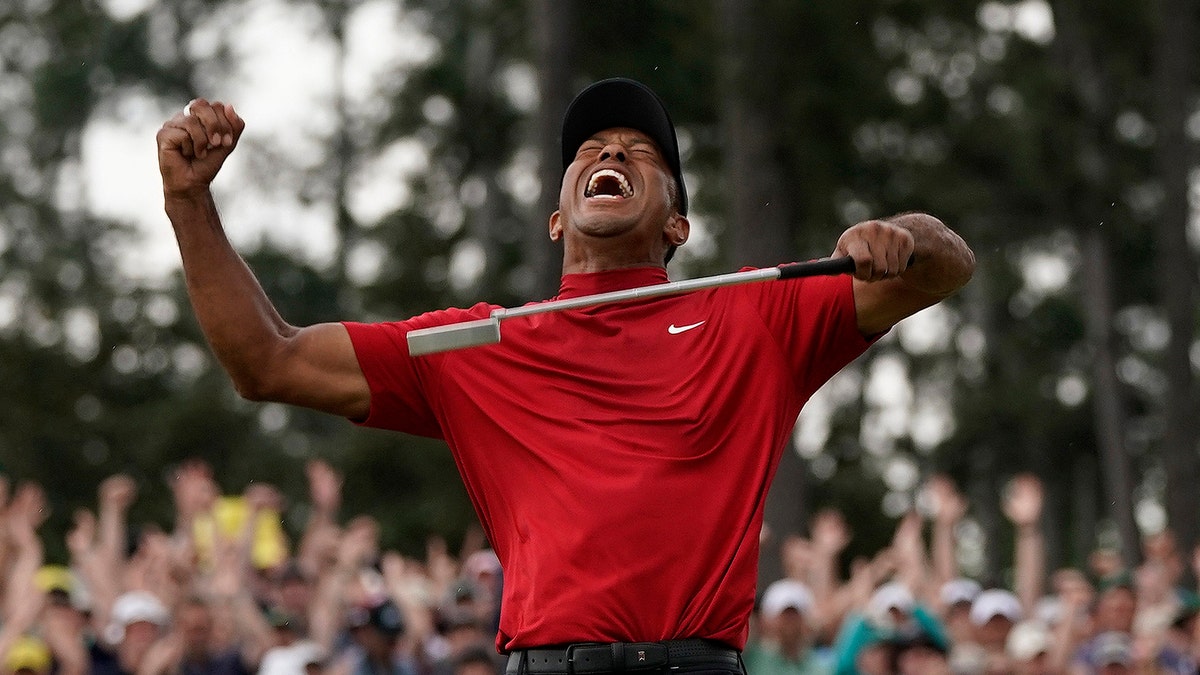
591 657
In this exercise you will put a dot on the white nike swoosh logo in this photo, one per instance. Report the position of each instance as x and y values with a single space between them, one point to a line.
676 330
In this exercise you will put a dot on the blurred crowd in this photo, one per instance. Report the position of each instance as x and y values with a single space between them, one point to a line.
909 610
226 590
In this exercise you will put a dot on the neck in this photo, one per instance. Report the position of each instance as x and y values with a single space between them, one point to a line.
604 258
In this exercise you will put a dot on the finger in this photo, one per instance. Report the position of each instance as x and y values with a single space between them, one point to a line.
198 137
220 130
213 122
174 136
893 265
236 124
860 252
873 265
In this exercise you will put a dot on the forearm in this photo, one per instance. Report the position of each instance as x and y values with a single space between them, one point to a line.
112 536
21 577
324 614
945 564
241 325
101 582
1030 561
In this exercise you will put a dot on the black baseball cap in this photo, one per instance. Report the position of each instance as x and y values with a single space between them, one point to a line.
622 102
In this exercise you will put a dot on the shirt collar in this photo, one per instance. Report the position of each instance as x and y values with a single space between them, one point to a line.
576 285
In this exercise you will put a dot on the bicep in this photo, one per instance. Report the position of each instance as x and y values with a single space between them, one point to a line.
879 305
317 368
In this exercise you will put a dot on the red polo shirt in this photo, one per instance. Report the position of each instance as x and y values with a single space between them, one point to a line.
619 456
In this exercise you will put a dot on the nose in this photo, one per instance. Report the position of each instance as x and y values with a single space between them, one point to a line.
613 151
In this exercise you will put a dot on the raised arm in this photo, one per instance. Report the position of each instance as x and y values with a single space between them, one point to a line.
267 358
1023 507
888 289
948 508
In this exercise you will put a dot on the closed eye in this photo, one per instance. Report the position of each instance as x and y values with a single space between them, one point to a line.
588 149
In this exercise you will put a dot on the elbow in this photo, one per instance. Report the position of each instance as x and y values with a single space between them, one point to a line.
257 381
251 388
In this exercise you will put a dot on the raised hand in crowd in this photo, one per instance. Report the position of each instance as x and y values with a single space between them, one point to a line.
829 537
947 507
912 562
356 548
235 606
321 529
410 588
25 514
194 492
117 494
440 565
1022 505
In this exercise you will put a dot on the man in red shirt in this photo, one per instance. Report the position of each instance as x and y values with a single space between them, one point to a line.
618 456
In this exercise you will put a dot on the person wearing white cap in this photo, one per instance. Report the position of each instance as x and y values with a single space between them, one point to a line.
867 639
993 614
785 645
136 621
955 597
1028 648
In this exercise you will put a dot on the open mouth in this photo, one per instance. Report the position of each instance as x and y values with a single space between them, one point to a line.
608 184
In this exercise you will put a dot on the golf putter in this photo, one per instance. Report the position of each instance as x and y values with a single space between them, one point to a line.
487 331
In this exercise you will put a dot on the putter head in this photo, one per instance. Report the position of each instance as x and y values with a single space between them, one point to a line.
453 336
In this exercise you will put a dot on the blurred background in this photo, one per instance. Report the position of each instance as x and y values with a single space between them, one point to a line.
403 156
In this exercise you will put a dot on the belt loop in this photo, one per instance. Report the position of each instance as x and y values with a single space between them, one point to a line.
618 656
523 662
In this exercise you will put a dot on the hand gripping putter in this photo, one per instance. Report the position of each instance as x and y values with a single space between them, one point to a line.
487 331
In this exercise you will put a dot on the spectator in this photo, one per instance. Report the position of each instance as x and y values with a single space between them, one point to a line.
463 632
1028 649
785 646
919 654
189 648
296 658
375 631
474 661
956 597
993 614
866 643
1111 654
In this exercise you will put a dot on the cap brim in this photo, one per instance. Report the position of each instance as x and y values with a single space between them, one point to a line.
621 102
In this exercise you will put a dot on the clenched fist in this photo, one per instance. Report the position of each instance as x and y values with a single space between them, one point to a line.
193 145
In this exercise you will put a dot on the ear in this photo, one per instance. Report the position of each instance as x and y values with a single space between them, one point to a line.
555 226
677 229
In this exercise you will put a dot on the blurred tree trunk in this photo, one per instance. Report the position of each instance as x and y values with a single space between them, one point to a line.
1175 86
1093 91
758 215
1108 407
1083 508
554 37
336 13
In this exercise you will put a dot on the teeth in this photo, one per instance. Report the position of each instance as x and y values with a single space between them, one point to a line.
622 181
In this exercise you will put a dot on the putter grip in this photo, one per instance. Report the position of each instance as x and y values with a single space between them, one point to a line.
823 267
813 268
